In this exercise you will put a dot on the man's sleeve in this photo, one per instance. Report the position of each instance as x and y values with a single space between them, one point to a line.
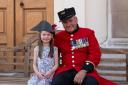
94 53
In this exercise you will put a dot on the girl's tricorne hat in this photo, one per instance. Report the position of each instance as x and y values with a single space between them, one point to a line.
43 26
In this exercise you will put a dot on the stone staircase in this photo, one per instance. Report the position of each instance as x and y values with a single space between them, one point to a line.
114 65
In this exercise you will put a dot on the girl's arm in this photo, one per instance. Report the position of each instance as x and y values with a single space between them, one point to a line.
51 72
56 60
36 50
35 59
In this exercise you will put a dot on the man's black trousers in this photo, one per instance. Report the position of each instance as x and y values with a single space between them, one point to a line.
66 78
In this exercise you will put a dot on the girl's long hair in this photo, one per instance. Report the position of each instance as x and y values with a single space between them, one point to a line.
40 44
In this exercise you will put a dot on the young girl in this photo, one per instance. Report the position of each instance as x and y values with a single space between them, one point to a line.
45 60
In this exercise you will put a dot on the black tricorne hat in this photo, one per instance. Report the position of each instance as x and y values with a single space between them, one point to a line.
66 13
43 26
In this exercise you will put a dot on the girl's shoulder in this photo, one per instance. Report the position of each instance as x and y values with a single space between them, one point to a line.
55 48
36 48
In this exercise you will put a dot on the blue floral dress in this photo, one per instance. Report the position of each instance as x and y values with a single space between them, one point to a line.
44 64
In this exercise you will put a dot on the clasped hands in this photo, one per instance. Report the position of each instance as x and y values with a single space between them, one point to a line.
43 75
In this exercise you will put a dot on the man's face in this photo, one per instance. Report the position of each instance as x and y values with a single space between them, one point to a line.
70 24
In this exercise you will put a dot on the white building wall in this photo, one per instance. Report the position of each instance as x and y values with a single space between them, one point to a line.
90 13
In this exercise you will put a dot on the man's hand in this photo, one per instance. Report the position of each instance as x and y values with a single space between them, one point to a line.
80 77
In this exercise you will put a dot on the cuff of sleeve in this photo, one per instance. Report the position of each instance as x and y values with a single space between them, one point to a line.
89 67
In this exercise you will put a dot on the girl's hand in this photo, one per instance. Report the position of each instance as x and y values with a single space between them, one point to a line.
43 74
39 75
48 74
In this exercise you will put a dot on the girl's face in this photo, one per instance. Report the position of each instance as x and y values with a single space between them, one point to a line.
46 37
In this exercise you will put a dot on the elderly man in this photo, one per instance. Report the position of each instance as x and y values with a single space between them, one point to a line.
80 53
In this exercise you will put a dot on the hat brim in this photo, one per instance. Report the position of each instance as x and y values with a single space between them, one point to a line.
66 18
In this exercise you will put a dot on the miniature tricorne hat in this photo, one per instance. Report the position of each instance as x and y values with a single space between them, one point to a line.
43 26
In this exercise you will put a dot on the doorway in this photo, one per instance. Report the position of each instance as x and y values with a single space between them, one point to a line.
17 17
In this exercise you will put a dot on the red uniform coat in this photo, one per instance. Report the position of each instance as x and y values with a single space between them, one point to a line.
78 48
